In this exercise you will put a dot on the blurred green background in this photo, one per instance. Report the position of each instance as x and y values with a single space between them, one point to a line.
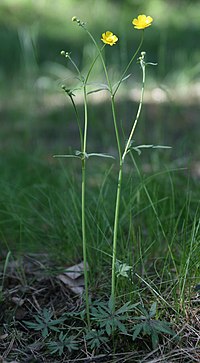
32 34
37 119
36 31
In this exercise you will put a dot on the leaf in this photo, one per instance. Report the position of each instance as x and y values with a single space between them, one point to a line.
39 320
45 332
97 90
146 328
154 339
126 308
151 64
137 148
152 311
31 325
163 327
108 328
137 329
144 311
66 156
122 80
121 326
100 155
95 338
102 87
122 269
54 329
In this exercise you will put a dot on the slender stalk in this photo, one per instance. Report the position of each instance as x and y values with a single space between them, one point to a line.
75 66
116 222
110 89
84 146
129 64
143 66
101 56
116 127
117 206
83 140
83 207
78 121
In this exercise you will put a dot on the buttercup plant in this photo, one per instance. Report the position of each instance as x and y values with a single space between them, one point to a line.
108 38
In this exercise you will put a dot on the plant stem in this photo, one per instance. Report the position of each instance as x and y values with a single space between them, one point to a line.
110 88
129 64
83 208
78 121
119 185
120 172
83 139
116 222
83 191
143 66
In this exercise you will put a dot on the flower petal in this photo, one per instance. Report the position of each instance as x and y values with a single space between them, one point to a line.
142 21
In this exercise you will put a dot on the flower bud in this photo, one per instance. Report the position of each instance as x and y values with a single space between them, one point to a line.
74 18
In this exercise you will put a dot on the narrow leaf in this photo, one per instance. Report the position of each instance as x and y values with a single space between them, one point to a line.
66 156
121 326
154 339
122 80
101 155
163 327
137 329
108 328
152 311
97 90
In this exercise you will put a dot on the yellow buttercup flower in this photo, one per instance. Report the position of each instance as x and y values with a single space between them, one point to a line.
142 21
109 38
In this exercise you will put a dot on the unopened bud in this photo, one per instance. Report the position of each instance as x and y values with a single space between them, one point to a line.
62 52
74 18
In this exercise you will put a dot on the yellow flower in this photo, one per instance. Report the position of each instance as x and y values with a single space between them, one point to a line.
142 21
109 38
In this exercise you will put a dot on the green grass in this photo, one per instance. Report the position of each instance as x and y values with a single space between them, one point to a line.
40 211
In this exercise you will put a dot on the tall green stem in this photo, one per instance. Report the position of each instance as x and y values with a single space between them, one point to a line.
83 207
84 146
116 222
83 139
119 185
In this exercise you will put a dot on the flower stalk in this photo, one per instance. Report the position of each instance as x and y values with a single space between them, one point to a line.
119 185
84 242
